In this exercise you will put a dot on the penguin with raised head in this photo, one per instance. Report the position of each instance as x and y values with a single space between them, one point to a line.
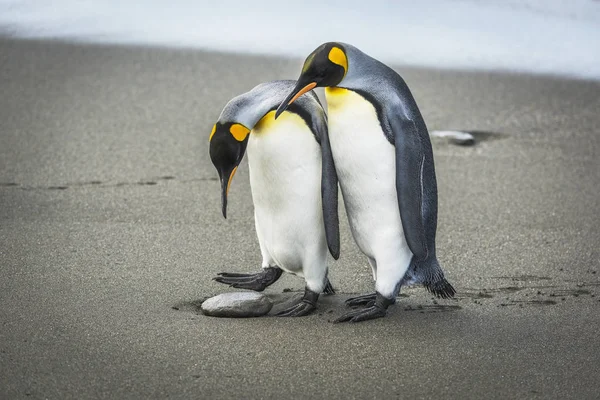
293 183
384 162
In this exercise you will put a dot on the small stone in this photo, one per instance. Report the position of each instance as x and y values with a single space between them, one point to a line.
237 305
456 137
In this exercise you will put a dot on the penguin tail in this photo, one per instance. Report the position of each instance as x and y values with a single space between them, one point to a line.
441 289
430 274
329 288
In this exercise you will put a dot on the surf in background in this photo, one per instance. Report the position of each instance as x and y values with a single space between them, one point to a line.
560 37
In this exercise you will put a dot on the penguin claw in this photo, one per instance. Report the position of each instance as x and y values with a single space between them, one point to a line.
376 309
299 310
249 285
363 314
365 300
235 275
257 282
306 305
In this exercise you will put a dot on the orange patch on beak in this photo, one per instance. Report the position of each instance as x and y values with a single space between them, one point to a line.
229 181
305 89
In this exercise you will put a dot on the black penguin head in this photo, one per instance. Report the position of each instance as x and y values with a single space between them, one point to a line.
326 66
228 143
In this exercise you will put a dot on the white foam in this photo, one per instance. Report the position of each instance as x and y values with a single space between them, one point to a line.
540 36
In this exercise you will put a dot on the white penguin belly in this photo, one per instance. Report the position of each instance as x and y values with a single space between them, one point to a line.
366 167
285 176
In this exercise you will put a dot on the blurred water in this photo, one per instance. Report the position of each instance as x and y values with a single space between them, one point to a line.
540 36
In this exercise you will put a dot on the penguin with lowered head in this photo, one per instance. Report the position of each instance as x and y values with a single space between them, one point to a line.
293 183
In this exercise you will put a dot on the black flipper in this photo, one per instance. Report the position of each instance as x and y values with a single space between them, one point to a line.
257 282
329 195
410 159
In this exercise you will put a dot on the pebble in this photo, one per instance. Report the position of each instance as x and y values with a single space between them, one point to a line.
237 305
457 137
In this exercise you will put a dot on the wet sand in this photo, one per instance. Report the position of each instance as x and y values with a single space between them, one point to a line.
110 232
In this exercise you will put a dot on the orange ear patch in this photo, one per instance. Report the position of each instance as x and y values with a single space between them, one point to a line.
337 56
239 132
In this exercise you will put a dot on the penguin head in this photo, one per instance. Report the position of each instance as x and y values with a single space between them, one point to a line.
326 66
228 143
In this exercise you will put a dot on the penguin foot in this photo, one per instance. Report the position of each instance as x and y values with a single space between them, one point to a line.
257 282
363 314
377 309
307 305
299 310
366 300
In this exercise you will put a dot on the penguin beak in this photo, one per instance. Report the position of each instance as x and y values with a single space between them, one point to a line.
225 183
298 91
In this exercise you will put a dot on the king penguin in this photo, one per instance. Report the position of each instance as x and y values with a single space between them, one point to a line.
293 183
384 161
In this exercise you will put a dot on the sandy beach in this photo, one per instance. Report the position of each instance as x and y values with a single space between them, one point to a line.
110 233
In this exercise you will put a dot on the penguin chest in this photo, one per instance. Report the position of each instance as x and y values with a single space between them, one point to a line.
366 166
285 176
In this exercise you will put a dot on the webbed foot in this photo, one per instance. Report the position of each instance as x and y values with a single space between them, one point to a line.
257 282
377 309
305 306
366 300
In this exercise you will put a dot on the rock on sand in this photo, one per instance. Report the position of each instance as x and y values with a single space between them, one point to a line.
237 305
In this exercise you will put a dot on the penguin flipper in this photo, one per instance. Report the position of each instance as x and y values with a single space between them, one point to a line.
329 195
410 160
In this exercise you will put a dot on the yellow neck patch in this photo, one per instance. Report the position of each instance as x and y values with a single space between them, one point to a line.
212 132
337 56
268 121
239 132
337 96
